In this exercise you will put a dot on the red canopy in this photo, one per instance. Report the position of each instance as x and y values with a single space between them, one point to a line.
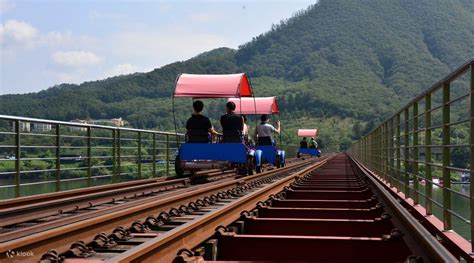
308 132
263 105
213 86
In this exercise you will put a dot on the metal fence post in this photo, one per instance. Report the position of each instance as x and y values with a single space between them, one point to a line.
167 155
381 157
119 155
386 154
398 149
17 158
471 163
139 155
415 153
114 156
154 155
89 156
373 154
391 151
382 151
428 176
406 141
446 158
365 150
58 158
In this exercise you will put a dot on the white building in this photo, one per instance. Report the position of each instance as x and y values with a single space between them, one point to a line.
42 127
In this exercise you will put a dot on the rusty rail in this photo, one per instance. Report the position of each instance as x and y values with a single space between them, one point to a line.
62 237
166 246
333 214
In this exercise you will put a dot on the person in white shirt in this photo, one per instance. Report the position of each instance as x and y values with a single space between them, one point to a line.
264 131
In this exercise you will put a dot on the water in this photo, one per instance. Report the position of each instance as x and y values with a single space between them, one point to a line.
459 204
27 190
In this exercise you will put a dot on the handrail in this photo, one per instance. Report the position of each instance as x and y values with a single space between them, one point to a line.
400 150
40 155
77 124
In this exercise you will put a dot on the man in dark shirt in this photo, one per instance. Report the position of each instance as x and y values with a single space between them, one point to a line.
232 124
304 143
199 126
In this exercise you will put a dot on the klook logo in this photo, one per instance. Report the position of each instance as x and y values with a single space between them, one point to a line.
11 254
19 253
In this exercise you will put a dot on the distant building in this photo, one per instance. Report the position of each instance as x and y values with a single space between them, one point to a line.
25 126
78 128
118 122
42 127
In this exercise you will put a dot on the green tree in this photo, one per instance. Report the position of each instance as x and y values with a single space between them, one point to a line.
460 157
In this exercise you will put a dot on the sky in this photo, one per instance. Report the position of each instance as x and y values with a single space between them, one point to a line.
49 42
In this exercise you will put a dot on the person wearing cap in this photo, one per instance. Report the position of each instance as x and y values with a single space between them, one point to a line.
232 125
264 131
199 126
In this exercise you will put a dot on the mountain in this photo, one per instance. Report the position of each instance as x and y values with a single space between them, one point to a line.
339 65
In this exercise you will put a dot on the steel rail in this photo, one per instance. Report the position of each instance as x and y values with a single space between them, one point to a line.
57 196
166 246
94 210
61 237
419 242
28 200
19 214
54 213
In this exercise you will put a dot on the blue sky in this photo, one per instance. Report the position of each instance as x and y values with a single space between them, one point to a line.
48 42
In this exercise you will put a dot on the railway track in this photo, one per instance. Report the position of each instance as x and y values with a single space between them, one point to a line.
60 234
25 216
328 212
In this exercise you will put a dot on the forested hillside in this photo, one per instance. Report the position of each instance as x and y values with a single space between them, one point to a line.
340 65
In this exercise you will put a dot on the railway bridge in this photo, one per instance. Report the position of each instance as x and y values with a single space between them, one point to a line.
74 192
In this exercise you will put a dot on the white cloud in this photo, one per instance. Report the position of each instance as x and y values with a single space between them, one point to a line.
6 6
122 69
17 31
75 58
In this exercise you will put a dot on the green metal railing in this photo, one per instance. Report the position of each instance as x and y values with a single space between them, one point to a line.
40 156
429 145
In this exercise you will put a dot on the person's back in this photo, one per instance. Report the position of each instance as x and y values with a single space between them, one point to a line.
304 144
313 144
264 131
232 125
198 126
